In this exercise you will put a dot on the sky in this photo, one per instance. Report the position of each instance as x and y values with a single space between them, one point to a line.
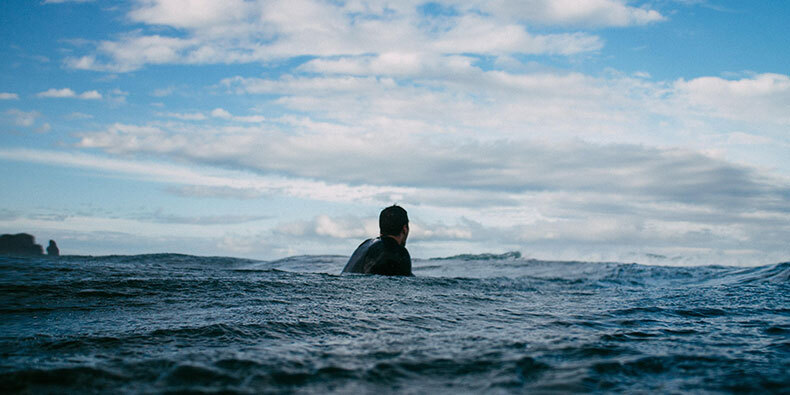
598 130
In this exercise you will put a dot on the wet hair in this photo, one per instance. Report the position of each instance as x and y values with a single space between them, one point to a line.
392 219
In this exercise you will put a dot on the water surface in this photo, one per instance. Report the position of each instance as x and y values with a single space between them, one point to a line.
483 324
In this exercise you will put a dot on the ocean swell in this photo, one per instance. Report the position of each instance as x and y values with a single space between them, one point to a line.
470 323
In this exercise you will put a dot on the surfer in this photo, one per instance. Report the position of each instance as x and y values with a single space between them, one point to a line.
387 253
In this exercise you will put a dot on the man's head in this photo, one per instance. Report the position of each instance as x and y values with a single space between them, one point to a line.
393 221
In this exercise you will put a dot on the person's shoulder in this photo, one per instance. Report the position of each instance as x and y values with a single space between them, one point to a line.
363 243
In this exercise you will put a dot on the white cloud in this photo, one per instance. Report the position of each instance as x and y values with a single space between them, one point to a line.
476 34
469 102
79 115
250 118
509 166
544 105
207 179
253 31
69 94
224 114
23 118
584 223
356 228
90 95
8 96
132 52
324 226
159 216
740 138
195 116
221 113
443 113
192 13
596 13
760 98
28 119
58 93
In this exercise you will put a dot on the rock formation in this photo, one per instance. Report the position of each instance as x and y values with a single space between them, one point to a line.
52 249
19 244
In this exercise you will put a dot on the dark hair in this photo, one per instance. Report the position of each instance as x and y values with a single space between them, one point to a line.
392 219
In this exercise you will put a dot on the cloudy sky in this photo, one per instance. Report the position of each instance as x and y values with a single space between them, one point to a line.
639 131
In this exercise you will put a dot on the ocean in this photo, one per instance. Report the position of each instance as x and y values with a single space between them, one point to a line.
495 324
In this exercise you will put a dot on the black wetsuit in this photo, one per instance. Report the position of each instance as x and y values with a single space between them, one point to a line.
380 256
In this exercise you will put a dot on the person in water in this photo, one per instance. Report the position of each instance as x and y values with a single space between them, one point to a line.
387 253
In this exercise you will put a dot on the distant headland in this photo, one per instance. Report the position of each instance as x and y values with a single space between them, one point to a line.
25 244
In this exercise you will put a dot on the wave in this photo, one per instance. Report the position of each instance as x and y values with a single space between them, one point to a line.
60 380
613 374
482 257
482 323
116 270
161 258
602 273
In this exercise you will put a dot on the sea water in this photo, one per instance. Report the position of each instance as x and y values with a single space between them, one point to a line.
468 324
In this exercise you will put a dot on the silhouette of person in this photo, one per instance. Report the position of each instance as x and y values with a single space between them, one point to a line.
387 253
52 249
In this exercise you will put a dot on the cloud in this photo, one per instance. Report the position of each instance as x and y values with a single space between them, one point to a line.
441 95
436 106
69 94
195 116
506 166
132 52
9 215
226 219
90 95
79 115
759 98
58 93
28 119
254 31
199 191
475 34
117 96
209 180
591 236
45 127
356 228
591 13
324 226
23 118
221 113
592 222
740 138
216 113
537 103
192 13
162 92
224 114
8 96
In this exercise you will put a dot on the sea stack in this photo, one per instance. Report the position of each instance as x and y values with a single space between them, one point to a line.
19 244
52 249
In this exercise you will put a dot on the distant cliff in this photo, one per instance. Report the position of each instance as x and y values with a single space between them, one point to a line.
20 244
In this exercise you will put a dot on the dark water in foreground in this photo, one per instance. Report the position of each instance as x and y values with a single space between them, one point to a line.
162 323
